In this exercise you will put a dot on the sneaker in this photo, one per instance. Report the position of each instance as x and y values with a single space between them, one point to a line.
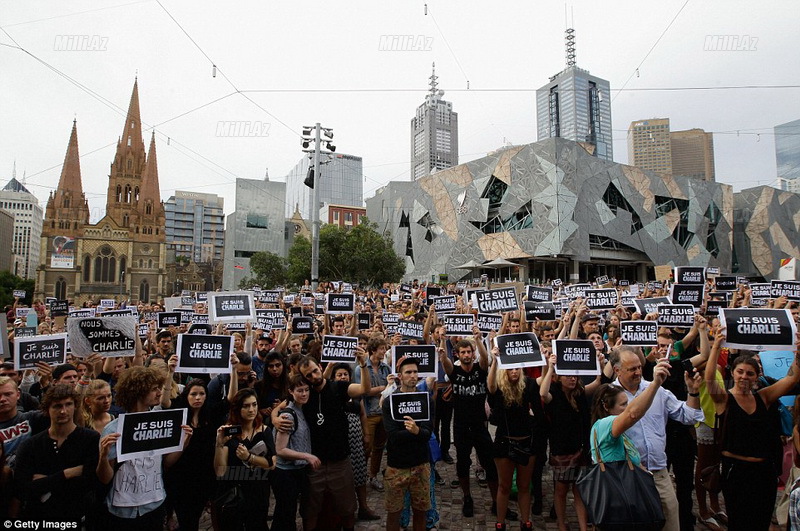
367 515
500 526
510 514
526 525
376 483
439 479
480 473
468 510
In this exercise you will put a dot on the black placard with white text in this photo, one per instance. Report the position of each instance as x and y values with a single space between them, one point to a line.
28 351
690 275
150 433
203 354
410 329
758 328
645 306
430 293
166 319
542 311
364 321
489 322
601 299
224 307
639 333
576 357
414 405
761 291
676 315
458 324
518 351
497 300
59 308
302 325
340 303
270 297
539 294
444 304
785 288
424 354
110 337
725 283
270 319
390 321
687 294
339 349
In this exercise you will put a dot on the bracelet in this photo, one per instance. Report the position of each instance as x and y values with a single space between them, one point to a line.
694 394
249 459
363 366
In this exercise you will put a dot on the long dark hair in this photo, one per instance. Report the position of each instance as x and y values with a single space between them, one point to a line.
604 399
205 413
235 414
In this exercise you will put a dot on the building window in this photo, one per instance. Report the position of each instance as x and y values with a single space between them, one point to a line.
60 292
87 261
144 291
105 265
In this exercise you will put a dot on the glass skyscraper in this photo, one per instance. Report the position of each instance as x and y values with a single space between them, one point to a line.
787 154
341 182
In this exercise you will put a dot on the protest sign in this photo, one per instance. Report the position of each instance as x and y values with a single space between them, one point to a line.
687 294
488 322
628 301
236 326
110 337
602 280
108 303
689 275
410 329
19 293
203 354
364 321
539 294
270 297
201 296
302 325
170 303
319 306
187 301
340 303
573 291
144 330
576 357
166 319
457 324
760 291
415 405
623 283
22 313
785 288
639 333
676 315
25 331
725 283
557 282
758 328
497 300
50 349
390 321
776 365
601 299
662 272
186 315
444 304
59 308
230 306
645 306
151 433
710 271
339 348
430 293
424 354
519 350
199 318
125 311
82 312
542 311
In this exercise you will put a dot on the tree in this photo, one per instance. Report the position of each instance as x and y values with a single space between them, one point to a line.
358 254
9 282
269 270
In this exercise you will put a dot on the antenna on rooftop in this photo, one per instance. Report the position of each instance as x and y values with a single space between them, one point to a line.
569 38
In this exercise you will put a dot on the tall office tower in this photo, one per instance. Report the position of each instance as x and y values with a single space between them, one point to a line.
693 154
434 133
577 106
28 220
649 146
257 224
341 182
195 225
787 154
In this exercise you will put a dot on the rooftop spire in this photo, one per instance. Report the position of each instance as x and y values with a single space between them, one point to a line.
433 83
70 180
569 42
150 187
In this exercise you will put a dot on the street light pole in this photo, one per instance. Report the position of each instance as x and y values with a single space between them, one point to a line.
315 223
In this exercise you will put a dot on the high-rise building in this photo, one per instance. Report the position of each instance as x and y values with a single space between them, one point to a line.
123 255
195 225
649 146
652 146
24 206
341 182
7 233
693 154
787 155
257 224
434 133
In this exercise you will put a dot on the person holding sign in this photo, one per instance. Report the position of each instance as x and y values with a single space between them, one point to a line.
135 509
568 410
244 453
407 455
512 397
749 438
469 418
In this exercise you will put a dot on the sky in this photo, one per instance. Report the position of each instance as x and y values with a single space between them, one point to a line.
282 66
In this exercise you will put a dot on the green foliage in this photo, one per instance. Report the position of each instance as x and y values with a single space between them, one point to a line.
9 282
269 270
358 254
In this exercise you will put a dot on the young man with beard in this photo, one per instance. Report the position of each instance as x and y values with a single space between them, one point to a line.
373 430
327 423
469 416
407 455
56 468
263 347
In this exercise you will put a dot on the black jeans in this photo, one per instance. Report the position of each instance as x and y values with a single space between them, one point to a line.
681 450
443 416
288 484
469 435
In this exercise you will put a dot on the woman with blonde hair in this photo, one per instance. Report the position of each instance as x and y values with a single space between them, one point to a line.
95 404
512 397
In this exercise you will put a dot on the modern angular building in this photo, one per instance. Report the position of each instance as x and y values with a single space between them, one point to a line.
576 105
434 133
195 226
24 206
787 154
257 224
558 212
341 182
123 255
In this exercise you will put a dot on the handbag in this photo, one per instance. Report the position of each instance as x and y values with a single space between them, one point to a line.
227 509
619 495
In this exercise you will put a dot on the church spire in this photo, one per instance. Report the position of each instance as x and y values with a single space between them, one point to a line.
130 158
150 187
67 209
70 180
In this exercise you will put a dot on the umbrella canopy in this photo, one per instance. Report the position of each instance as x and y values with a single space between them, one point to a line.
472 264
499 262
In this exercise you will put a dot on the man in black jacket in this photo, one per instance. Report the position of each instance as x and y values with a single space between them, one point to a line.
407 455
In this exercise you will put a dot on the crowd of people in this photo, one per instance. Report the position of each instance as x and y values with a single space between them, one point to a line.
316 436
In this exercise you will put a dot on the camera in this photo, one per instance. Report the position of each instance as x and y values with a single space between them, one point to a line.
229 431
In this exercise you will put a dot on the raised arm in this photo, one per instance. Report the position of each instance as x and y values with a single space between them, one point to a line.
547 379
639 405
233 387
783 386
491 380
356 390
716 391
447 365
